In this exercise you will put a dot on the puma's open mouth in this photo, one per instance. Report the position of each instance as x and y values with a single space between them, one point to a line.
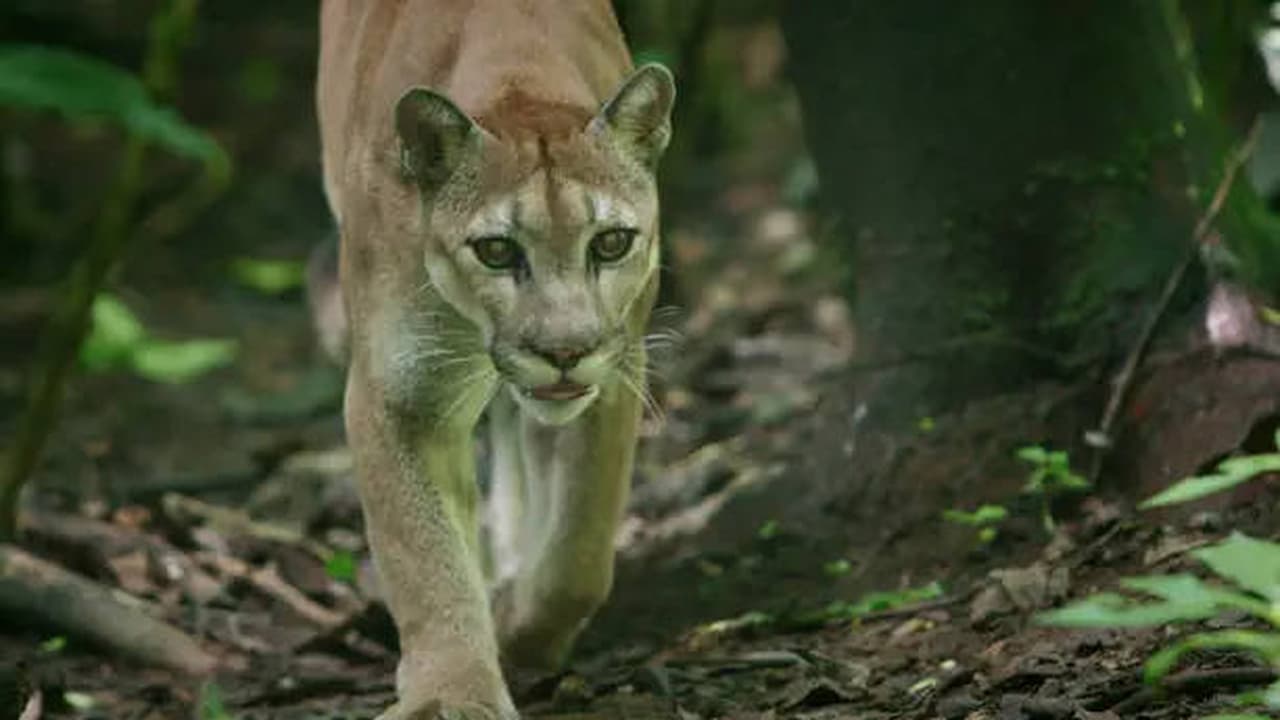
561 391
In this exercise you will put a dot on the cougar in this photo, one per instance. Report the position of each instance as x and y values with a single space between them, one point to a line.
490 165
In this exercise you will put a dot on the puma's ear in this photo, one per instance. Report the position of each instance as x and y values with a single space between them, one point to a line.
434 136
639 116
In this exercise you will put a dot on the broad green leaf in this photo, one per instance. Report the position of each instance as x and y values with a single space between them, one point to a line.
1250 465
1252 564
82 87
114 333
1192 488
1189 590
271 277
182 361
1264 645
1182 598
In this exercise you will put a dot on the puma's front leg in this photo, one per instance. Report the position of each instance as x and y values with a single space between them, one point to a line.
419 496
575 479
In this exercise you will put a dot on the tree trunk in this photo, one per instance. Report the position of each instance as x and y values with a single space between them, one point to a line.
1013 181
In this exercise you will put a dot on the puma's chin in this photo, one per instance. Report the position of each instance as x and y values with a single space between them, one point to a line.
557 403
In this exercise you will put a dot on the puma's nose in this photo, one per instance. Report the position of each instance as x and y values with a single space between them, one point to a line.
563 358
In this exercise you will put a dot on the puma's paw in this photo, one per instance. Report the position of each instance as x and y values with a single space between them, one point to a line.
436 710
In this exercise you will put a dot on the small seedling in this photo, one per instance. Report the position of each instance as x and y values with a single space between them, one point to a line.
986 520
768 531
1051 476
54 645
837 568
1251 571
341 566
211 706
874 602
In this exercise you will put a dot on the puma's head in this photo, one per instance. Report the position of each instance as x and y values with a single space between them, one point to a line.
540 226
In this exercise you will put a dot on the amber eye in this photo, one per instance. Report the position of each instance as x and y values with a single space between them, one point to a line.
611 246
497 252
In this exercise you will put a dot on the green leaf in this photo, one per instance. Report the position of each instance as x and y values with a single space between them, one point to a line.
210 705
53 645
1192 488
1182 598
79 701
182 361
837 568
114 333
1265 645
271 277
984 515
341 566
768 531
82 87
1252 564
1033 454
885 600
1245 716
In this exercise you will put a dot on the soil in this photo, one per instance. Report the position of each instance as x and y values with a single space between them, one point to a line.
762 496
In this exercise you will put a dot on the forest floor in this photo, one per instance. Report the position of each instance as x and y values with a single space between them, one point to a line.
781 558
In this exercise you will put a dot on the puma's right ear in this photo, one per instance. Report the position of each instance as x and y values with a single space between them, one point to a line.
434 136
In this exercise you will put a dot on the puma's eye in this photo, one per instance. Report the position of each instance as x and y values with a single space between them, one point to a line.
497 252
611 246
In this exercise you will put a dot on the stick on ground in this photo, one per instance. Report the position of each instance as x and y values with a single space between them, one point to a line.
47 594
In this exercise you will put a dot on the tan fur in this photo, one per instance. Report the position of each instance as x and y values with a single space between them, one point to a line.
444 122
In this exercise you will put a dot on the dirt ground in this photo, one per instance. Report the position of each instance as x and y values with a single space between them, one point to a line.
765 502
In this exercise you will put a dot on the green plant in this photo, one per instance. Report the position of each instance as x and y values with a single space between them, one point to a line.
341 566
1251 571
986 520
1051 476
83 89
873 602
269 277
118 340
210 705
1230 473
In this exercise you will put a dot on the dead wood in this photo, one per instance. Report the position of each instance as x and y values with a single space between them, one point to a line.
46 593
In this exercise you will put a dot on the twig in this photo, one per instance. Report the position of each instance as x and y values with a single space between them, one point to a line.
1100 438
1192 682
238 523
269 582
37 589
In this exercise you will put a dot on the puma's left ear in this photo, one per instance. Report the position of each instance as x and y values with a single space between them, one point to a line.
434 136
639 116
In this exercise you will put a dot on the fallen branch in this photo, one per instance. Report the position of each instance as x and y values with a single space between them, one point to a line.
1100 438
235 522
36 589
267 581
